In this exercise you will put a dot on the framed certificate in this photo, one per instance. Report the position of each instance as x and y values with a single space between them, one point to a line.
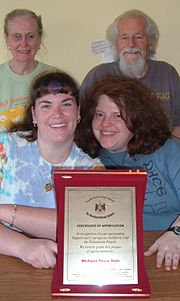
100 234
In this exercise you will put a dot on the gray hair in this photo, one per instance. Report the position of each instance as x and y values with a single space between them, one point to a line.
152 29
23 13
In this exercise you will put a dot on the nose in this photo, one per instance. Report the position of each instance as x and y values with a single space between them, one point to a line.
57 111
24 40
106 121
131 42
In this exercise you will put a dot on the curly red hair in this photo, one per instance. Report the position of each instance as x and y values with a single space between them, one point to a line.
140 109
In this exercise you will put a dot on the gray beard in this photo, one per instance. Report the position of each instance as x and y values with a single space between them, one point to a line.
135 69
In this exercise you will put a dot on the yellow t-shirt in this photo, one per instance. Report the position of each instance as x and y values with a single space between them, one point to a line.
14 93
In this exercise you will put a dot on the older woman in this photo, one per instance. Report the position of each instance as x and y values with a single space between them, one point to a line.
27 157
125 125
23 32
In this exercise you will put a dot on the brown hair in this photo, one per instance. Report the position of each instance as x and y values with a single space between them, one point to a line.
52 82
140 111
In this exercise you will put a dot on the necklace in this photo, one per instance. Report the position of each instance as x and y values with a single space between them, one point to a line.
49 185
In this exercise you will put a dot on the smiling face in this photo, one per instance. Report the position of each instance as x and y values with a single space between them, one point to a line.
132 33
23 38
132 44
56 117
108 126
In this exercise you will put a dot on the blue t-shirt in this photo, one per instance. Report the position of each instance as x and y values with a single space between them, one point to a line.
162 199
25 175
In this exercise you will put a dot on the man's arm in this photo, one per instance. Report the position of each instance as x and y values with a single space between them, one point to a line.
167 247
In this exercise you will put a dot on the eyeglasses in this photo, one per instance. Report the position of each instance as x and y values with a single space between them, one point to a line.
18 37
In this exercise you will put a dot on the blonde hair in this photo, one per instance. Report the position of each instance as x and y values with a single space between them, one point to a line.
23 13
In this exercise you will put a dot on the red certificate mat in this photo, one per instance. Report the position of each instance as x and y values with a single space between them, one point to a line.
100 234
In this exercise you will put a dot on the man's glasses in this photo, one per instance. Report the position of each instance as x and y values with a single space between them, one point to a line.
18 37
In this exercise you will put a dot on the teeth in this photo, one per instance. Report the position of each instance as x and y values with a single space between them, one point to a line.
57 125
105 133
132 52
24 51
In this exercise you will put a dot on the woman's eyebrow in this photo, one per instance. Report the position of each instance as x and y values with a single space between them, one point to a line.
68 98
44 101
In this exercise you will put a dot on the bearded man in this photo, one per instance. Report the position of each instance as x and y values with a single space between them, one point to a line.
135 37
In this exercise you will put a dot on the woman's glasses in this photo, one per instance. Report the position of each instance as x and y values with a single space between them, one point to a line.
18 37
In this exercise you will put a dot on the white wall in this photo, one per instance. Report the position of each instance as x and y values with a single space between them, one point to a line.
71 25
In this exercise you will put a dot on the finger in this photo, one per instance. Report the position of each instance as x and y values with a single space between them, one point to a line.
148 252
152 249
41 261
159 259
50 260
36 263
168 261
171 261
175 262
54 247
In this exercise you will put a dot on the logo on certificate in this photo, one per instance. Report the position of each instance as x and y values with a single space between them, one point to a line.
101 207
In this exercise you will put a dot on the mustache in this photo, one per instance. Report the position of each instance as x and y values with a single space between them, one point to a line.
131 50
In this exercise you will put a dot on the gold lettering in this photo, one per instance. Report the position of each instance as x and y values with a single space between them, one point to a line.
163 96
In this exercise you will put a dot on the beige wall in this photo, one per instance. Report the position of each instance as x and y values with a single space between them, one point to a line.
71 25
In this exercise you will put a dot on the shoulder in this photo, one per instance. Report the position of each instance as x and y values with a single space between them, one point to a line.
161 65
5 137
170 151
96 74
6 145
84 160
173 144
12 139
169 156
104 68
4 65
42 67
5 69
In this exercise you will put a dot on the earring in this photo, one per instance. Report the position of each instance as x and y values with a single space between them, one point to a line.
79 119
34 123
8 48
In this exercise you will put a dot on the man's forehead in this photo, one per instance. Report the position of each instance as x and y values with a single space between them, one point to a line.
133 23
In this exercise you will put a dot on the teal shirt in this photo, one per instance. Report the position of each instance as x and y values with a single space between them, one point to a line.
162 199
